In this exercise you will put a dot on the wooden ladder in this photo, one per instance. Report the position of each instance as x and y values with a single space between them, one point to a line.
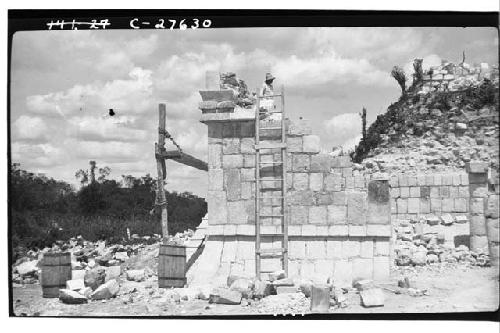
262 148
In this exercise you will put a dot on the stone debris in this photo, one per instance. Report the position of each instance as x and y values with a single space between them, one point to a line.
404 283
289 303
277 275
339 298
122 256
71 297
372 297
362 284
244 286
106 291
137 275
305 286
95 277
286 289
320 298
225 296
75 285
262 289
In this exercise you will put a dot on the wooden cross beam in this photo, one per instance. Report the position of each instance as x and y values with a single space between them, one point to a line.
185 159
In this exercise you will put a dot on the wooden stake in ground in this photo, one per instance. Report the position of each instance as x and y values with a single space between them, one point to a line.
160 147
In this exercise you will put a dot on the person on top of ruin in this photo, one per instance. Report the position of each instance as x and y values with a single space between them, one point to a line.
267 103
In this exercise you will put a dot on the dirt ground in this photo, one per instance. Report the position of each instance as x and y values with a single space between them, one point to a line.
450 289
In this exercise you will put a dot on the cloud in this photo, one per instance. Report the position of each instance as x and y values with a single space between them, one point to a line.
344 128
105 129
31 128
37 155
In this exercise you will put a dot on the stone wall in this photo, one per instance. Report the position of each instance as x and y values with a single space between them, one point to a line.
339 219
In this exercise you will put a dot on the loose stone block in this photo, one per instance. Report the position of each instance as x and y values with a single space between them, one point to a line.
317 215
301 163
413 205
337 214
247 146
366 250
300 181
311 144
362 268
214 156
338 230
237 212
356 208
232 161
231 146
316 181
299 214
320 298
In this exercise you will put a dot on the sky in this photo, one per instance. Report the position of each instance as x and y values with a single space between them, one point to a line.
64 82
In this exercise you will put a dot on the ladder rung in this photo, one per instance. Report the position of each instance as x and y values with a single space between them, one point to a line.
266 163
270 128
271 215
268 96
273 145
271 198
276 234
275 250
270 180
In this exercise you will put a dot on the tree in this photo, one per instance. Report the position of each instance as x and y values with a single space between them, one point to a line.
363 124
82 176
419 73
399 75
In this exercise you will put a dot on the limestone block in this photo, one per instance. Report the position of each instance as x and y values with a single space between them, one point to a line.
215 179
366 250
308 230
421 180
214 133
357 230
299 214
393 181
216 229
301 162
334 248
414 205
478 242
403 180
248 161
381 268
412 181
342 274
295 230
425 206
404 192
299 128
402 205
444 191
478 178
359 182
231 146
316 181
456 180
492 230
338 230
334 182
356 208
362 268
476 167
317 215
337 214
247 174
478 225
429 180
245 229
297 249
311 144
478 190
294 144
270 264
395 192
491 209
341 162
464 179
382 247
339 198
304 197
415 192
460 205
245 249
300 181
232 184
229 251
214 156
435 205
247 129
247 146
237 212
447 205
438 180
378 213
463 192
447 179
321 163
378 230
316 249
232 161
216 202
351 248
453 191
347 173
477 206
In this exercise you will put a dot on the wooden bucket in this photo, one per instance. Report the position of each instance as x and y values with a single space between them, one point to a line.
172 266
56 270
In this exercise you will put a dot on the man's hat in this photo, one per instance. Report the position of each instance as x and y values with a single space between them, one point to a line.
269 77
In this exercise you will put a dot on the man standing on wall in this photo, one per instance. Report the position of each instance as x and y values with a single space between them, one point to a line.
267 103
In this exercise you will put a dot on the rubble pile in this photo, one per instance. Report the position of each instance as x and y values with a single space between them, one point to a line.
229 81
418 243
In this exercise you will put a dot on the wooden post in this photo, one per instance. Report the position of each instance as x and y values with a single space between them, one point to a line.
160 146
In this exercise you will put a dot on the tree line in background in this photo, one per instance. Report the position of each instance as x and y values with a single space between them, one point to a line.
44 210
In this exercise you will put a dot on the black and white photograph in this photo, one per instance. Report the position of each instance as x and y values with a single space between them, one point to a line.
253 164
